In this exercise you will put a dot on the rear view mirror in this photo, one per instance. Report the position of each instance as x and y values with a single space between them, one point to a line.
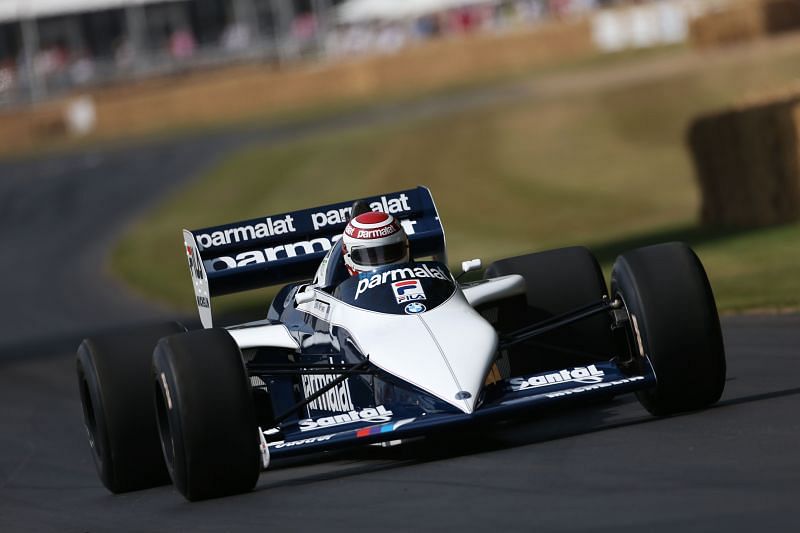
304 296
472 264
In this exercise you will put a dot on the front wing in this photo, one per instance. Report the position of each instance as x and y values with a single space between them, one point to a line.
502 400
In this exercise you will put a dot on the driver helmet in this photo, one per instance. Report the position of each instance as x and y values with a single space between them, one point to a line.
372 240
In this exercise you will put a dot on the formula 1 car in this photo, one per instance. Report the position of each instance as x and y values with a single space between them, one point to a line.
400 352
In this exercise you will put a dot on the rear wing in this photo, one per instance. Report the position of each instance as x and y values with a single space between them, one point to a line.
289 247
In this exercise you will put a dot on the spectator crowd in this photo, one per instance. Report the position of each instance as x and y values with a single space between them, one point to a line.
158 36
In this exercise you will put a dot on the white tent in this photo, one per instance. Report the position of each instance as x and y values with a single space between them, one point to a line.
386 10
26 9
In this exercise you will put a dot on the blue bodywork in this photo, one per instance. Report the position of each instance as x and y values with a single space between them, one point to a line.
376 406
304 403
501 402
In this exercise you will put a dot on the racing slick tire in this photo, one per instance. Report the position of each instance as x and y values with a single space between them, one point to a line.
116 396
206 416
558 281
673 322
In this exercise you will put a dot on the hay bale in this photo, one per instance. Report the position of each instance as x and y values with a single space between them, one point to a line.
781 16
745 21
26 128
738 23
747 161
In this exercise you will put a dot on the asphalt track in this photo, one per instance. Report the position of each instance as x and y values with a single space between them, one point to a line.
734 467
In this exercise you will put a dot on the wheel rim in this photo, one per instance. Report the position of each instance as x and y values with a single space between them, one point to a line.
633 338
89 418
164 429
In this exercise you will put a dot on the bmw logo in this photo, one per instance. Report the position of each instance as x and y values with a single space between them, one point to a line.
415 308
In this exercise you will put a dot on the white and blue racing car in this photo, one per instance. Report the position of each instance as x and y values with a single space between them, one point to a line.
400 352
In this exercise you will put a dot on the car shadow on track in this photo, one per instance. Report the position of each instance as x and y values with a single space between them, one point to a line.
538 428
757 398
535 428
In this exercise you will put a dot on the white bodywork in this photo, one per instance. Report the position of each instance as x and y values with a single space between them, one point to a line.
264 335
197 270
447 351
494 289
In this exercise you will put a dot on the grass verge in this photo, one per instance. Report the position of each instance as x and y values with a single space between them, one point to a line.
600 165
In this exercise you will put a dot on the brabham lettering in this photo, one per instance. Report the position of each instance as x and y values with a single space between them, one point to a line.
268 228
579 374
370 414
596 386
423 271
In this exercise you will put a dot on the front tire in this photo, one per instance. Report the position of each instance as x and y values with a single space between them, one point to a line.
674 323
116 395
206 416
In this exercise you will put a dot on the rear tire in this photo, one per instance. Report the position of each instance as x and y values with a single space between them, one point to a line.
559 281
674 322
116 395
206 416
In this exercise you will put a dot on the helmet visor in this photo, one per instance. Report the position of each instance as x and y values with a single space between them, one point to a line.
379 255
